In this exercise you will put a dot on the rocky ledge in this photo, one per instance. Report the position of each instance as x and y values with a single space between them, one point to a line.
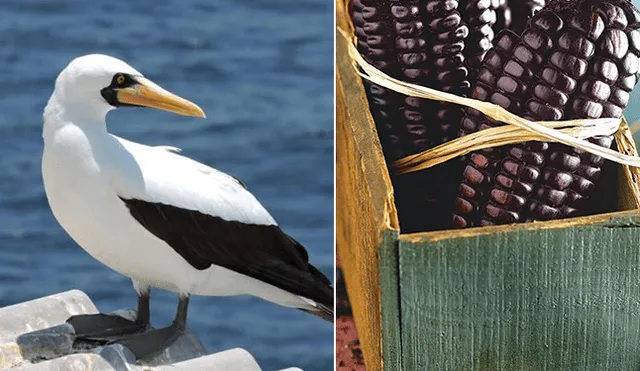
35 337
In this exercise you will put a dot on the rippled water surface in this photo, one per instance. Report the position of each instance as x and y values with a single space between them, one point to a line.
261 70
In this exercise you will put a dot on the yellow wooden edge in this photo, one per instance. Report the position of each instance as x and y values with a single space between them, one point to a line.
365 206
342 16
367 124
553 224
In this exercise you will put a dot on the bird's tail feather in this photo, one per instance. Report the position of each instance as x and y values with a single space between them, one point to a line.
323 311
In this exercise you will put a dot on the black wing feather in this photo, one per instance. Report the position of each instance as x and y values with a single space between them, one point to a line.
263 252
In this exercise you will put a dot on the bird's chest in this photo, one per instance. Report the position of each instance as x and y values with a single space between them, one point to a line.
70 171
76 187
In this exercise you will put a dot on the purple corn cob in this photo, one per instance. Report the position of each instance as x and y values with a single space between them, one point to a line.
587 70
480 16
504 80
570 175
372 27
419 42
565 69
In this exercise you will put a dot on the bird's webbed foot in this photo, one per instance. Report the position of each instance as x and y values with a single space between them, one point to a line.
152 342
103 328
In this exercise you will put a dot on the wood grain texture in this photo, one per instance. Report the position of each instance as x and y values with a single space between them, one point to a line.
390 302
366 219
524 299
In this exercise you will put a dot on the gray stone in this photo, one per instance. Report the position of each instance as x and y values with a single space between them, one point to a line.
46 343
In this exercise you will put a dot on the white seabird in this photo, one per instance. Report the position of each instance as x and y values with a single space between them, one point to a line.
160 218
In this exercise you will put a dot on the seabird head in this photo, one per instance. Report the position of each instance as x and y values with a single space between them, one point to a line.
94 84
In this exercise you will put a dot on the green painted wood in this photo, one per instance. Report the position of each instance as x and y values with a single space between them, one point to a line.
550 299
390 301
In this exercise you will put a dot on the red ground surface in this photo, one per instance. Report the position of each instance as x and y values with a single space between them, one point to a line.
348 351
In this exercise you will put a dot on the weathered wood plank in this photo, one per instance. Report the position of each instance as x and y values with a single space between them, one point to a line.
365 217
390 302
562 298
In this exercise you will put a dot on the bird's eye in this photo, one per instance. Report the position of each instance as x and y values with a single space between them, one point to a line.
120 79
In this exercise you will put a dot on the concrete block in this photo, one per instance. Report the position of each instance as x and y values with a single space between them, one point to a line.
35 337
43 313
76 362
236 359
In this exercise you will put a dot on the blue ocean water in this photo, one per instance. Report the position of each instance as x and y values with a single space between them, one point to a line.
263 73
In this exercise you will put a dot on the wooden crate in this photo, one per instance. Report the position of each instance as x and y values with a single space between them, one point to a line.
559 295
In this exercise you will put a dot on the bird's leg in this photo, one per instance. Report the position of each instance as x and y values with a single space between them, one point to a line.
107 327
143 314
180 319
152 342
